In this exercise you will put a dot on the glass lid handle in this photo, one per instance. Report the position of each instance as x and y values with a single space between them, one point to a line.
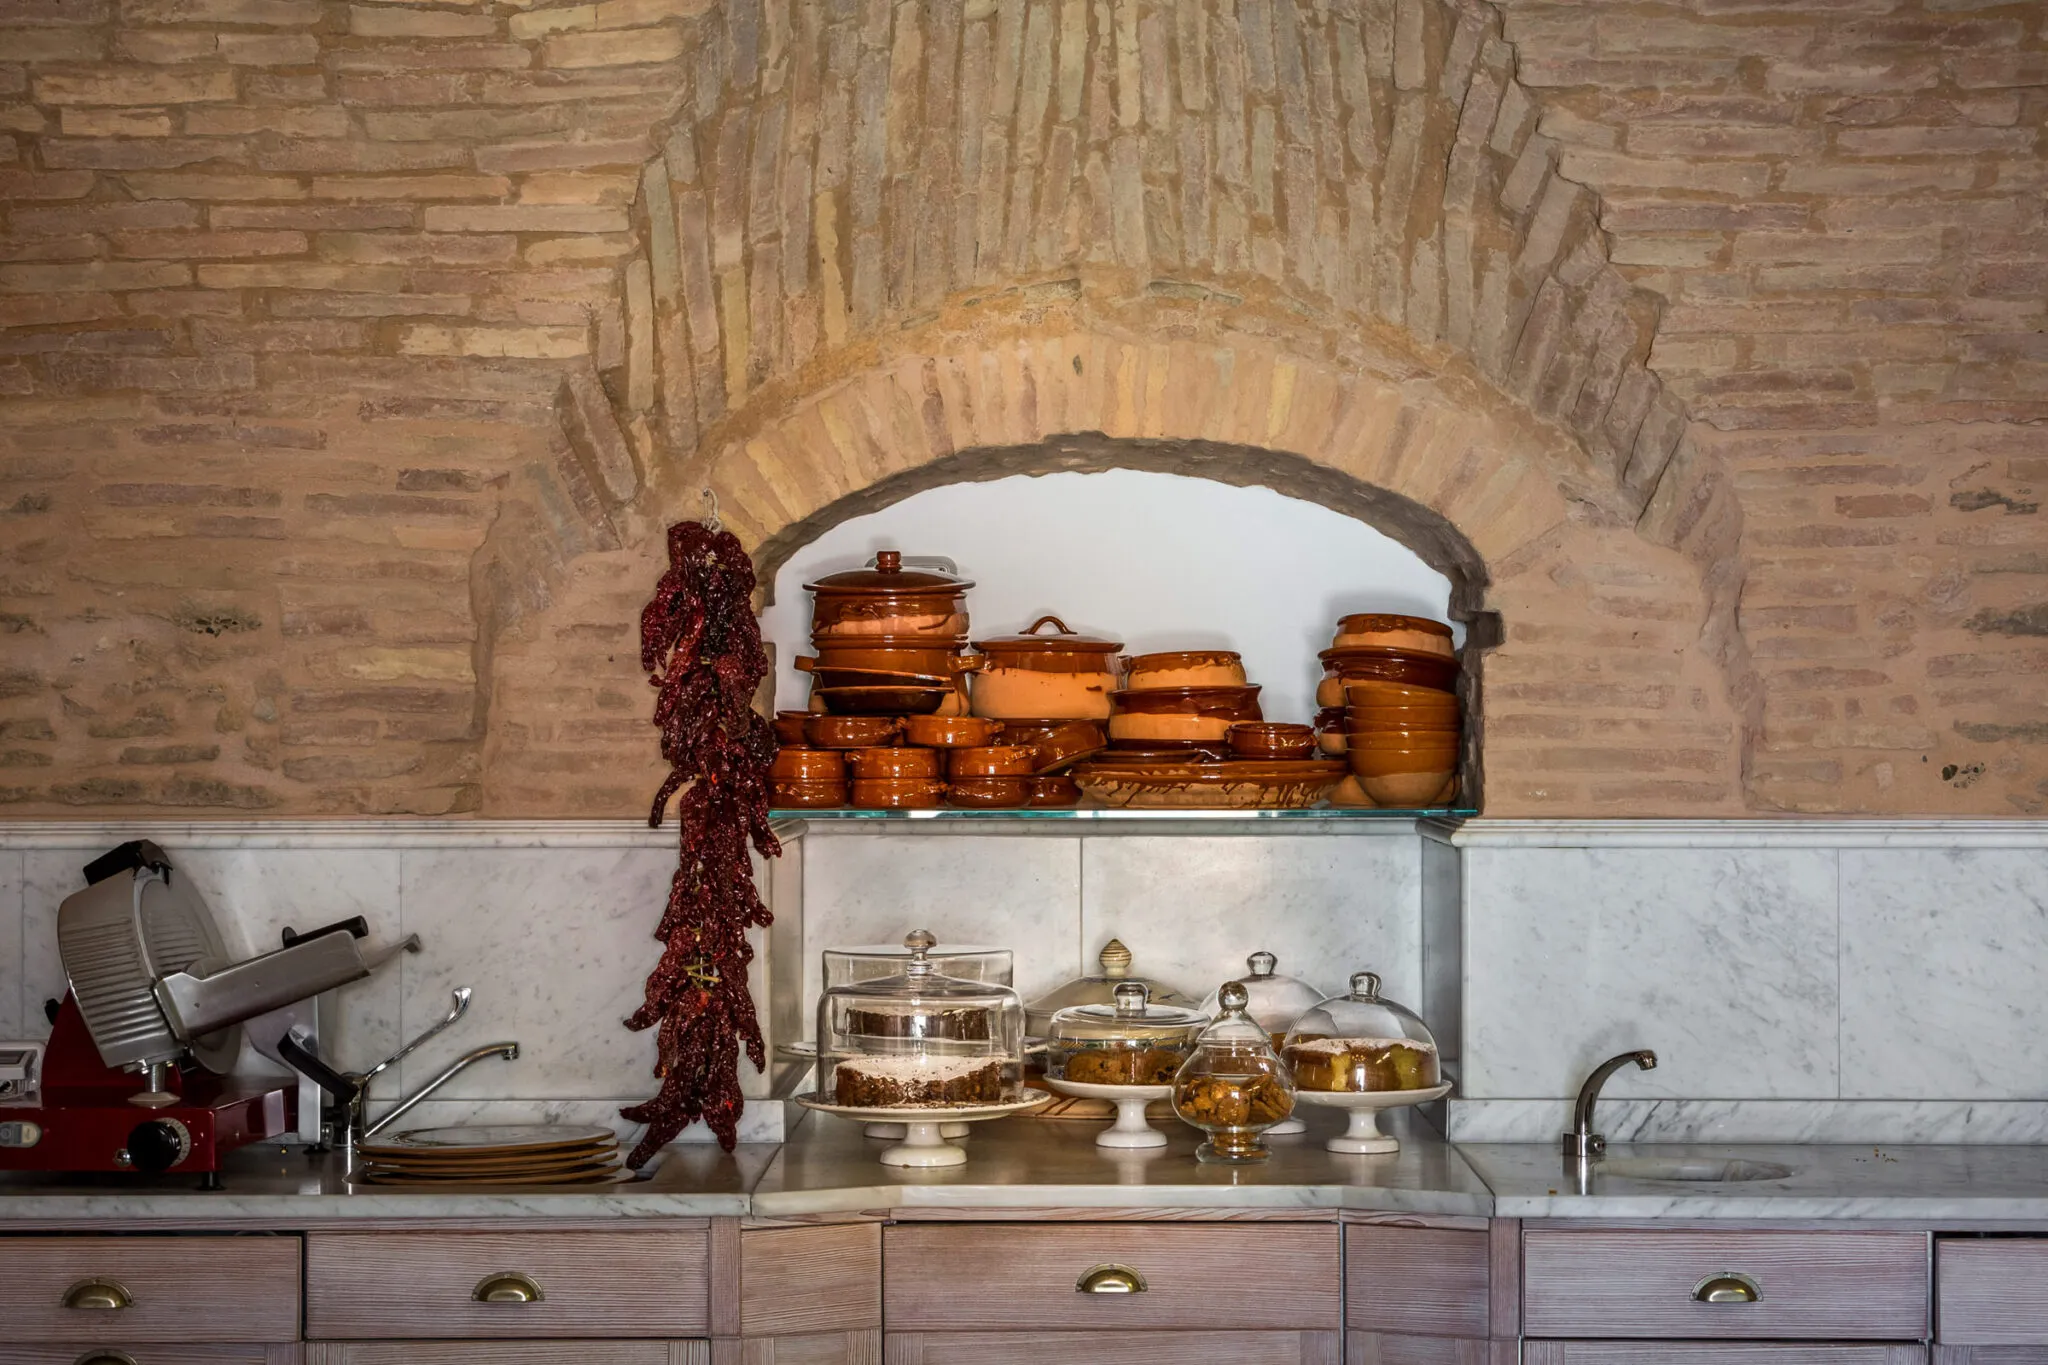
920 942
1365 985
1233 997
1131 997
1262 963
1115 959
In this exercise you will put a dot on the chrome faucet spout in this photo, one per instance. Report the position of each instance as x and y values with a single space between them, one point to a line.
509 1051
1582 1141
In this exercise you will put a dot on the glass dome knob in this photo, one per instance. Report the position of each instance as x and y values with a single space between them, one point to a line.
1131 999
1366 984
1233 997
920 942
1262 964
1115 958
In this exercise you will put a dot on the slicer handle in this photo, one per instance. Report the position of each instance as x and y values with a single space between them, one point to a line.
291 1052
355 925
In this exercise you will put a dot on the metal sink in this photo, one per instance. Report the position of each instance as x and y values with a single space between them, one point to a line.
1690 1170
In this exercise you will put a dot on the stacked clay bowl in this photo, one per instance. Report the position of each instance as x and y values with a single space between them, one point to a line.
1402 741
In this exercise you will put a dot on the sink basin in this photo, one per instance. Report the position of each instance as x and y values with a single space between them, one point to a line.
1696 1169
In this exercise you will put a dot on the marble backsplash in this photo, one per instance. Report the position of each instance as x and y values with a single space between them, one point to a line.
1838 981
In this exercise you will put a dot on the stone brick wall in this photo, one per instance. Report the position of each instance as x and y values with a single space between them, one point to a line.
355 354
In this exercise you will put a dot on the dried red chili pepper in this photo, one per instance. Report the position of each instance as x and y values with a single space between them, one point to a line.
701 647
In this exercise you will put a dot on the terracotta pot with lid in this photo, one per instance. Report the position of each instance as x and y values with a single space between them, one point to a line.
1184 668
1031 676
890 600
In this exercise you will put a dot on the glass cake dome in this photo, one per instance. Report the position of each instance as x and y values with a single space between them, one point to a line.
1362 1042
1233 1086
865 961
1096 988
917 1038
1130 1042
1275 1001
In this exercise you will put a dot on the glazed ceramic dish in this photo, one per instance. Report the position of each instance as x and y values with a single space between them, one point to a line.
808 765
893 762
1418 633
1058 742
1391 665
801 795
1062 675
1229 786
1384 692
882 701
851 732
1184 668
1169 715
1271 740
951 732
888 600
996 760
789 726
994 793
897 793
888 654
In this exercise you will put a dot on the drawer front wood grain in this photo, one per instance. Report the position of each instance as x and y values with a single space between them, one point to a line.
831 1348
1855 1286
804 1280
1066 1348
634 1283
1426 1281
1990 1355
1992 1293
506 1353
194 1289
156 1353
1010 1276
1714 1353
1387 1348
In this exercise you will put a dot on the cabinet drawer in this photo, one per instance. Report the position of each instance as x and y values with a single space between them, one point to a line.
1992 1293
1427 1281
1064 1348
506 1353
1713 1353
810 1280
153 1353
198 1289
1235 1277
1855 1285
639 1283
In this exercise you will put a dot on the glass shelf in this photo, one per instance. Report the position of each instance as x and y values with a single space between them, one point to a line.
1100 813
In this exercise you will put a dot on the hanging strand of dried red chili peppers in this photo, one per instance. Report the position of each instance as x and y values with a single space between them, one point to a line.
701 647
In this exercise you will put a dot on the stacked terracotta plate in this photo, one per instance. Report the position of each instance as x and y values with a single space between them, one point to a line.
1390 708
494 1154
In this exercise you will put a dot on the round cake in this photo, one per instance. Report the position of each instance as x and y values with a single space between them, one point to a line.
1123 1066
1363 1064
912 1082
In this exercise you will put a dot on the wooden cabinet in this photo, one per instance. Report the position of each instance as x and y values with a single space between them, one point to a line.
505 1353
223 1298
1717 1353
1431 1296
1064 1348
1992 1292
152 1353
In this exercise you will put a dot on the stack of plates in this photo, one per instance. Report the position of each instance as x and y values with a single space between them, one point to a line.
494 1154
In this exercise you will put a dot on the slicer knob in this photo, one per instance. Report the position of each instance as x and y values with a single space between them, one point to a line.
158 1145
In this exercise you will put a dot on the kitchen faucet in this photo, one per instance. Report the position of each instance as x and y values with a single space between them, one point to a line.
351 1089
1582 1142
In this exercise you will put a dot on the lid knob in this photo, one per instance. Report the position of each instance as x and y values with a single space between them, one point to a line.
920 942
1233 997
889 561
1262 963
1131 999
1366 985
1115 958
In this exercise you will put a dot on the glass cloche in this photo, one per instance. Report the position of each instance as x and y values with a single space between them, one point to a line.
1096 988
1129 1042
1362 1042
919 1039
864 962
1233 1086
1275 1001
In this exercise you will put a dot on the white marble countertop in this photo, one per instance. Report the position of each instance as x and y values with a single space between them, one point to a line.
829 1165
1937 1185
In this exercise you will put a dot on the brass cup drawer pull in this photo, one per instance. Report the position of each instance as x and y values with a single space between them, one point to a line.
1110 1279
106 1296
509 1287
105 1357
1727 1287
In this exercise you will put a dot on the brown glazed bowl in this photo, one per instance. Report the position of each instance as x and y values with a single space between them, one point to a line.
1392 762
806 795
989 793
1411 790
888 599
808 765
1418 633
901 763
883 701
1184 715
789 726
1401 717
1381 692
1401 739
889 654
999 760
1409 666
1051 793
897 793
851 732
824 676
1272 739
951 732
1141 755
1059 742
1184 668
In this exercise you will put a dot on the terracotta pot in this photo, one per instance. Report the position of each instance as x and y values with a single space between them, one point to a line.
1181 714
1051 792
1032 676
899 763
888 654
1000 760
851 732
808 765
1381 692
989 793
1184 668
950 732
1418 633
1059 742
1330 691
789 726
1391 665
888 600
1271 740
806 795
897 793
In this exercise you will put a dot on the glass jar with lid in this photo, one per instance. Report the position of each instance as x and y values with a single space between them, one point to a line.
919 1039
1131 1041
969 962
1275 1001
1233 1086
1097 988
1361 1042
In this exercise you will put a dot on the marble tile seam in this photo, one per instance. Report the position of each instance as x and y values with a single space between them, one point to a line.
1872 833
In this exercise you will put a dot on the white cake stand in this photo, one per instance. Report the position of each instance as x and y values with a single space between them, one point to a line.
1363 1137
1130 1128
924 1143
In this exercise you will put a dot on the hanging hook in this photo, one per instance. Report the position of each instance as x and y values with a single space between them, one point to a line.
711 510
